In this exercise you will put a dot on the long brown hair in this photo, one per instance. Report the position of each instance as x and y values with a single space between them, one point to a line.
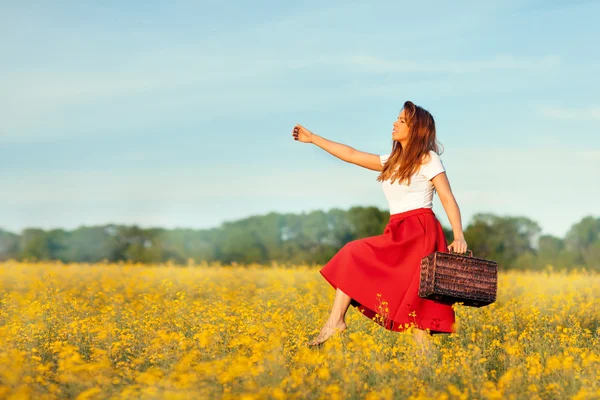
403 163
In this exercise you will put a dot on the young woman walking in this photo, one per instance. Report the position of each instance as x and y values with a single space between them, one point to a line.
379 275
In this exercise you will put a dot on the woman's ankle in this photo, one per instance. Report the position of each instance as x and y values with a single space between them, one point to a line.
335 321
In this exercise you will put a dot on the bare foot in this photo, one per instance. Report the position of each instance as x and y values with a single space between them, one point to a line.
327 331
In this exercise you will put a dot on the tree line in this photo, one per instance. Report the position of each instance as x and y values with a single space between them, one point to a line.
515 242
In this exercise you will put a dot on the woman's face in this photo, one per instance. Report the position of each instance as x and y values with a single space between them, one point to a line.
400 131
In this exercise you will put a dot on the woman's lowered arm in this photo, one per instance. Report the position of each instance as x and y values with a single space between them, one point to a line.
442 185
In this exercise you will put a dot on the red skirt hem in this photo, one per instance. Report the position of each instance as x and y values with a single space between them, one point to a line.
446 326
381 274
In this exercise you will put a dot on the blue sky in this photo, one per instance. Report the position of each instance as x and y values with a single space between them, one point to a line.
180 113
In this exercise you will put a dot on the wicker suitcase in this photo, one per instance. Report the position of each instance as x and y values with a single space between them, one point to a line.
452 277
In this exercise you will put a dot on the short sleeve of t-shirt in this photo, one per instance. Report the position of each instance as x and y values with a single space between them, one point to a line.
433 167
383 158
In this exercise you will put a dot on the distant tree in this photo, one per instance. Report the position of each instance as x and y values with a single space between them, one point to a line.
9 245
84 244
341 229
58 241
502 239
143 245
34 245
313 238
368 221
238 241
184 244
583 240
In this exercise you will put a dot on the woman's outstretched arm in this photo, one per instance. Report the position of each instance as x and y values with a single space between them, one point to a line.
442 185
340 150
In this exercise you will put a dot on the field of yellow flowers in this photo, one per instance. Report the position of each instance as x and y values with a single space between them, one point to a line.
95 331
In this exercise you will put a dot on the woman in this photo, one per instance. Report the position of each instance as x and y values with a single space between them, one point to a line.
379 275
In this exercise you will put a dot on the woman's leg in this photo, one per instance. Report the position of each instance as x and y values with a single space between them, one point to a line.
336 321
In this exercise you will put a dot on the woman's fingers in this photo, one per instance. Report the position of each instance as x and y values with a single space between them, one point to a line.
458 247
299 133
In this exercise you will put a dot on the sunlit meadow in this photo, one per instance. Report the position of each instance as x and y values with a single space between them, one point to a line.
91 331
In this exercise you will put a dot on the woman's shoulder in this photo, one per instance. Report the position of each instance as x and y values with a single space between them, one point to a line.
430 156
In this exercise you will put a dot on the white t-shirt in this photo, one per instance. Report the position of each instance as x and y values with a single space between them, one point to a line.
402 197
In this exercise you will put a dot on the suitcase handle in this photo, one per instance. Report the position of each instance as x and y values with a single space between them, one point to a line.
468 251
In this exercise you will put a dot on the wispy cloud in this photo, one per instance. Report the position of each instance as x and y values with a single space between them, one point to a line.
171 69
498 62
64 100
590 113
158 70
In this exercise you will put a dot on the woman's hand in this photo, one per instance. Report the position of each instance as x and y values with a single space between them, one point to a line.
302 134
458 246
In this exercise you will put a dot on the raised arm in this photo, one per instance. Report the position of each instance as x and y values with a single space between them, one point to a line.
341 151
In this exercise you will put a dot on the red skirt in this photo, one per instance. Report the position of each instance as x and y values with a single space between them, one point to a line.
381 273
